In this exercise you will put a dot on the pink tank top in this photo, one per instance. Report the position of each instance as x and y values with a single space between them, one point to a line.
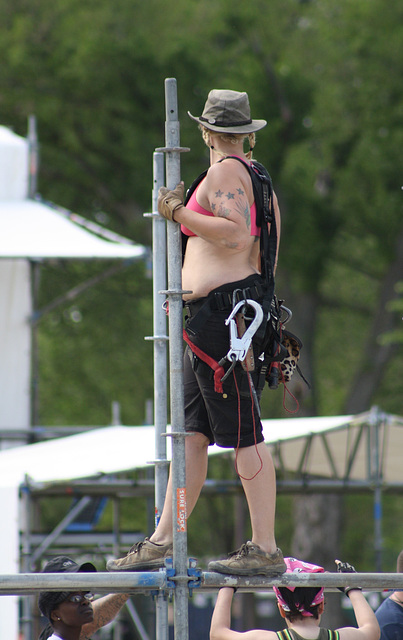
195 206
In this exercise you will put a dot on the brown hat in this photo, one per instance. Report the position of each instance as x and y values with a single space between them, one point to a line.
228 111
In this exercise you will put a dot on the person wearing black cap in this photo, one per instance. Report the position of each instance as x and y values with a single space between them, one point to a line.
72 615
221 261
302 609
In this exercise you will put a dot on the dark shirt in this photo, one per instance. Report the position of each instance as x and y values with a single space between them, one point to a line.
390 620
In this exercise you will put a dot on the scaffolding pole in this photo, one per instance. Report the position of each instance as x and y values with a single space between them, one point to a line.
160 374
178 471
150 581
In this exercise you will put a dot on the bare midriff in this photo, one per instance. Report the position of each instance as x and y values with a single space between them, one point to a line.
207 266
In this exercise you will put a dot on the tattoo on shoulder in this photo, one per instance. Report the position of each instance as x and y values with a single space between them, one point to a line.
219 206
242 207
223 212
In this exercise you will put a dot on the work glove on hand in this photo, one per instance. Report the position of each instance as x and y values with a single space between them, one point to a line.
345 567
169 201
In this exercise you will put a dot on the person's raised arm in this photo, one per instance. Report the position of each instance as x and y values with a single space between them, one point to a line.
224 194
368 627
221 621
105 610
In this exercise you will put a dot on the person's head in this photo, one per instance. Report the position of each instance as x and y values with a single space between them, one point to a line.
399 563
68 608
226 114
297 603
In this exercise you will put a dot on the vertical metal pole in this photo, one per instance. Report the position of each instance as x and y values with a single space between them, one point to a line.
160 340
160 374
178 470
375 474
26 526
33 157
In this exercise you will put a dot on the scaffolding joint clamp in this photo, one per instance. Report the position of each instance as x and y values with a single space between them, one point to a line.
195 574
170 572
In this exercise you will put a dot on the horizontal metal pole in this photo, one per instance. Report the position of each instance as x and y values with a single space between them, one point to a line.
103 582
100 582
97 541
329 580
142 487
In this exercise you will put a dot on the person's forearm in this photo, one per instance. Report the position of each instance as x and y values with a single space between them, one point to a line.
221 618
364 614
105 610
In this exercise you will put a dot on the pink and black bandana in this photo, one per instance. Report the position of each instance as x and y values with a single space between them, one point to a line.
298 566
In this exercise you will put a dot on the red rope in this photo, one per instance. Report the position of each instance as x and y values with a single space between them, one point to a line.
286 390
239 431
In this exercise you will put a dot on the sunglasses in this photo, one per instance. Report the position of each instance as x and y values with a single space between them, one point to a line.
76 598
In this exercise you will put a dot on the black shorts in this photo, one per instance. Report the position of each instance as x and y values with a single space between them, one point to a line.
230 419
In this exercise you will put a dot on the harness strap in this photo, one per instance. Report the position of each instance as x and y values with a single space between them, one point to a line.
200 310
219 371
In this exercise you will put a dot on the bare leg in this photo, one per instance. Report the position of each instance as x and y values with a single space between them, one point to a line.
196 470
260 493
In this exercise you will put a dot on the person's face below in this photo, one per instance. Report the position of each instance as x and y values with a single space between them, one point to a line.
75 611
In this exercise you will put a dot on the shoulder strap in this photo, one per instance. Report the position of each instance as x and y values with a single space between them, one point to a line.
194 185
333 635
263 194
189 192
284 635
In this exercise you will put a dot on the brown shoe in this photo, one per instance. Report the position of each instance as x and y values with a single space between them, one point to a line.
143 556
250 560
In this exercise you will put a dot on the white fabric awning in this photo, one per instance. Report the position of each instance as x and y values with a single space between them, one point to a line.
330 447
34 230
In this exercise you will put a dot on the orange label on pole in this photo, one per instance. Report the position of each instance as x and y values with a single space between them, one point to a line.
181 509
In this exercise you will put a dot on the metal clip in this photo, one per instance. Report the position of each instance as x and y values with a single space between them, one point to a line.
240 346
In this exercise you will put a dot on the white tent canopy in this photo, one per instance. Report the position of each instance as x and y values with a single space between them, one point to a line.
338 449
33 230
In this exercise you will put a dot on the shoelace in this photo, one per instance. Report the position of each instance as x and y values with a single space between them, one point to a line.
241 552
136 547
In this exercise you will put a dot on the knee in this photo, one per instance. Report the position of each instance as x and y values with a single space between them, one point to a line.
197 441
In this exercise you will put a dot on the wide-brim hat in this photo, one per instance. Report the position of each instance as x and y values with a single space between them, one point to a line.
228 111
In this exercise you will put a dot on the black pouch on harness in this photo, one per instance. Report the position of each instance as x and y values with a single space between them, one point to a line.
281 349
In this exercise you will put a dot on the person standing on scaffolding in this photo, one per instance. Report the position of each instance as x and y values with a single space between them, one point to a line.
220 268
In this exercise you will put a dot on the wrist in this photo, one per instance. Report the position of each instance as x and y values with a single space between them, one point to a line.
349 590
180 206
